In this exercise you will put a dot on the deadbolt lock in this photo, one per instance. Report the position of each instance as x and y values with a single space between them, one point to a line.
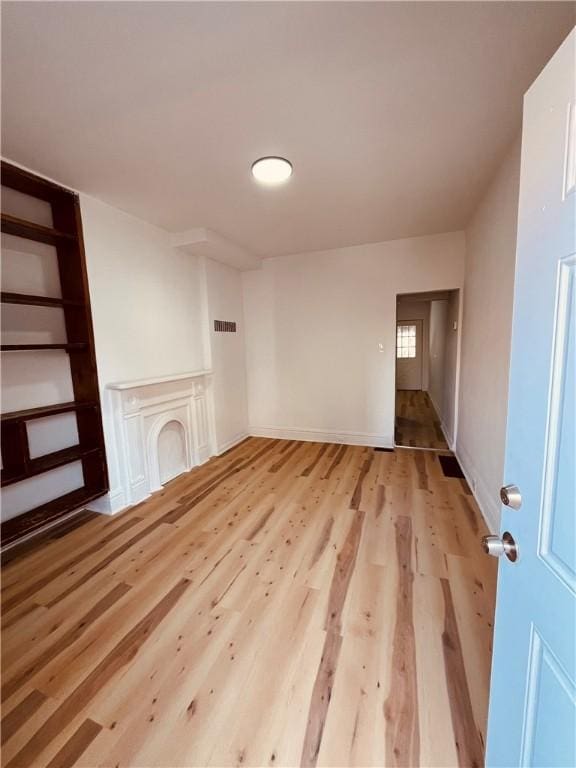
510 496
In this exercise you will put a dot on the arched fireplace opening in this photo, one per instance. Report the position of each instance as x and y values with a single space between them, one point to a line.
171 451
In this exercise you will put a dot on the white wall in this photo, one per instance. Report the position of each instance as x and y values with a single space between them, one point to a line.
448 411
444 361
487 322
146 306
314 323
437 353
227 353
145 296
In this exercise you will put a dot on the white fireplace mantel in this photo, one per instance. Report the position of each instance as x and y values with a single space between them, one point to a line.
141 409
136 383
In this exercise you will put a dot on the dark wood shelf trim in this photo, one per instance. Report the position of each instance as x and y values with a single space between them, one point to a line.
76 346
65 523
35 186
11 225
38 518
46 410
49 461
37 301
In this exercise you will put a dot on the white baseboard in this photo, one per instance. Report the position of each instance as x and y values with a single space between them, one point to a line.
434 403
114 502
223 447
448 437
487 504
324 436
110 504
204 455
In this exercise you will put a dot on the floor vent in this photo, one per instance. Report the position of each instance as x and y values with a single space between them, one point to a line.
450 466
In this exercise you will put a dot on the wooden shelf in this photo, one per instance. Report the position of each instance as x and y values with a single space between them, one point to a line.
59 459
11 225
65 234
37 301
45 410
38 518
77 346
49 461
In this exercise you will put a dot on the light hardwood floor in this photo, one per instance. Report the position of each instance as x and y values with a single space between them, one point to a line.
417 423
285 604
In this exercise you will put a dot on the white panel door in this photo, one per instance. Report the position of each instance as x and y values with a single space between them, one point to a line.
532 720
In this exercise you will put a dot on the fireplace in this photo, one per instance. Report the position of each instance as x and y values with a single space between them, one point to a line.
163 427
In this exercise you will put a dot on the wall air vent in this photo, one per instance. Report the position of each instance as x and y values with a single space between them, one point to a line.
224 326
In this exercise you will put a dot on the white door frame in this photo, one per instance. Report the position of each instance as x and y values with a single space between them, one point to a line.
457 373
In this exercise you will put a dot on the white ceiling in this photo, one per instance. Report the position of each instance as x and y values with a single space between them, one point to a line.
393 114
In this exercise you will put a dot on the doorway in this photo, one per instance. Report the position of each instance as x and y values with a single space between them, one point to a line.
427 342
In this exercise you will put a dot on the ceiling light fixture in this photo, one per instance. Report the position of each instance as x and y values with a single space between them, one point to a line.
271 170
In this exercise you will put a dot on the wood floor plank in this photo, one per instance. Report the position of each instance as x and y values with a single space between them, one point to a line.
11 683
474 615
468 742
437 743
76 746
244 740
100 676
60 676
417 423
16 718
355 731
287 603
50 623
401 706
21 736
40 578
173 664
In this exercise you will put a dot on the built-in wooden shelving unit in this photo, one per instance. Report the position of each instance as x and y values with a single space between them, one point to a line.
66 236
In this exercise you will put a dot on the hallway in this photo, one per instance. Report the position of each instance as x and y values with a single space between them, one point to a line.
287 603
417 425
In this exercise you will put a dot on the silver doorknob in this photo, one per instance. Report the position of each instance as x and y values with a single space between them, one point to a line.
496 546
510 496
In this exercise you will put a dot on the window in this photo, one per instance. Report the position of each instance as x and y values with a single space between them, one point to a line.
406 341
